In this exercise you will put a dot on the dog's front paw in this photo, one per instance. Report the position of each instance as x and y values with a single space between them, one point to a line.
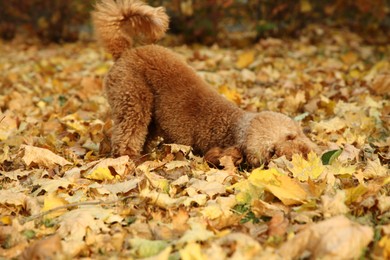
214 155
260 156
118 151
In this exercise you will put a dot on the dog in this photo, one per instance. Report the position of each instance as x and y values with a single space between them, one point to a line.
153 92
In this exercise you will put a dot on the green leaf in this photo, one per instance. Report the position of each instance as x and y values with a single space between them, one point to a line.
328 157
29 234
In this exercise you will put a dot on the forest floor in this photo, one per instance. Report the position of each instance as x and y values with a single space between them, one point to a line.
61 195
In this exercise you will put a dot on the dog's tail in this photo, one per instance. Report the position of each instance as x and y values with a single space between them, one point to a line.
118 23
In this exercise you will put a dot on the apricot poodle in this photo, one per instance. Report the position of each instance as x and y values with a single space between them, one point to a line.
152 92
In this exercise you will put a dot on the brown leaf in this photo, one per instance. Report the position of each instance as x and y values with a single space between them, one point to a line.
381 84
47 248
334 238
278 225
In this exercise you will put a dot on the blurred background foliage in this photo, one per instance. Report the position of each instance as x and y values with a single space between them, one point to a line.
226 22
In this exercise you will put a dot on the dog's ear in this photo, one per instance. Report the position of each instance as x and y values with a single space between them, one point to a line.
214 155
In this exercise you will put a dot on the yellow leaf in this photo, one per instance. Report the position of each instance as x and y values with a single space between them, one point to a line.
330 126
109 168
101 70
230 94
192 251
52 201
74 122
283 187
305 6
349 58
303 169
100 173
338 168
155 180
355 193
384 243
246 192
5 220
245 59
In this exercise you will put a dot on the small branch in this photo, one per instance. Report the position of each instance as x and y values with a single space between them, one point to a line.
77 204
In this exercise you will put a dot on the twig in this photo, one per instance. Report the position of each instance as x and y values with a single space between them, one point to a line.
77 204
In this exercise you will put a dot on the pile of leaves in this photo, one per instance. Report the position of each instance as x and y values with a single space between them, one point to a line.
61 195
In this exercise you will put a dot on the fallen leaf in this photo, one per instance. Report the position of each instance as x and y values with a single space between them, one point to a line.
381 84
230 94
8 125
47 248
196 233
283 187
334 238
375 169
192 251
142 248
334 205
278 225
384 244
52 201
328 157
303 169
245 59
207 187
109 169
41 156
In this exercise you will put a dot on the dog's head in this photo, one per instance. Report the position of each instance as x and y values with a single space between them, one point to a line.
272 134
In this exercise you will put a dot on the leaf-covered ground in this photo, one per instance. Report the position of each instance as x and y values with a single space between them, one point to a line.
62 196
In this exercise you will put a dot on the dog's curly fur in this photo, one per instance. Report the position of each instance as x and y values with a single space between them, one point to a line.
152 92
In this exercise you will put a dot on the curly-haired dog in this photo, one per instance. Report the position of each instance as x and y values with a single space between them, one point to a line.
151 91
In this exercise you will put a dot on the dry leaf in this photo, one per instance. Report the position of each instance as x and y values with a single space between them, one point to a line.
42 157
334 238
245 59
283 187
47 248
303 169
381 84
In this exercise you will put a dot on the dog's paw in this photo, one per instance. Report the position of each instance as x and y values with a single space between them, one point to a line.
214 155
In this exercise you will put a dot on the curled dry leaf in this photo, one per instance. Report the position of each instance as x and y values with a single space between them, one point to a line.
41 156
334 238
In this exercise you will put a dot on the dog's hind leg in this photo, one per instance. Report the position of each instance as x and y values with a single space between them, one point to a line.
131 102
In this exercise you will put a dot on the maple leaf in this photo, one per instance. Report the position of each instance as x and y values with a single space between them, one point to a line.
283 187
303 169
